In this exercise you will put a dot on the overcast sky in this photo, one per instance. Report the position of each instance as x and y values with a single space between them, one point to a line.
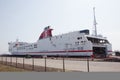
25 19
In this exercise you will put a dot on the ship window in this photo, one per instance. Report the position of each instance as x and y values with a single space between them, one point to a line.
73 48
79 38
76 43
80 48
50 38
35 45
54 45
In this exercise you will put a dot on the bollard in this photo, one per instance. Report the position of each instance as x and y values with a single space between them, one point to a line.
63 64
33 63
88 64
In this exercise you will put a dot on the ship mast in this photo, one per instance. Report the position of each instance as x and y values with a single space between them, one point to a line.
95 23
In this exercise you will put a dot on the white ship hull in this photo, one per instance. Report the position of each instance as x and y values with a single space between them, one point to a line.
71 44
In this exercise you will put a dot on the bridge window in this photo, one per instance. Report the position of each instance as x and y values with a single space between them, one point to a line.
79 38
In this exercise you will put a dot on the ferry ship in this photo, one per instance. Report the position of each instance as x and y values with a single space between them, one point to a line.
77 43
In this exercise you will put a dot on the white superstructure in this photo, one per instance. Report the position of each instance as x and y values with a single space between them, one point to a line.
78 43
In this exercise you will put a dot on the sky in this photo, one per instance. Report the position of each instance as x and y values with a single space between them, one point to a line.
26 19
